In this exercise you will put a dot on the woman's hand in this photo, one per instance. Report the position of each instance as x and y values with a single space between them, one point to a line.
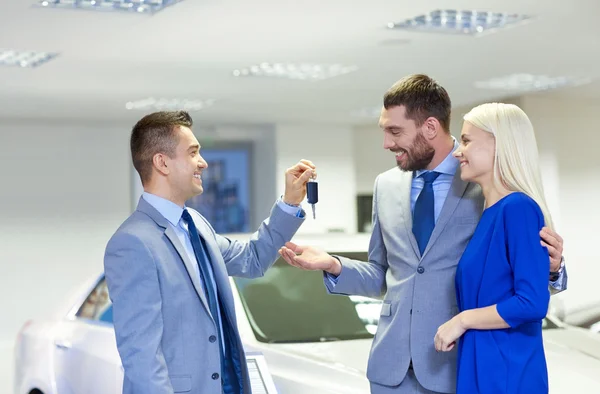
448 333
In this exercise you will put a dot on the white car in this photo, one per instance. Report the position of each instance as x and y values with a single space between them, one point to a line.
314 343
585 317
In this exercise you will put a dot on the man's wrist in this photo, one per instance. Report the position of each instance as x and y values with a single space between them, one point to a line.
554 275
336 267
290 202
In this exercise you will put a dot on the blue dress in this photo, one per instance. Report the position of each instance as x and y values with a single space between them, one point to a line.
504 264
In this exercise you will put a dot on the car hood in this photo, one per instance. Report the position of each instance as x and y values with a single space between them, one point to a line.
569 370
568 366
348 354
578 339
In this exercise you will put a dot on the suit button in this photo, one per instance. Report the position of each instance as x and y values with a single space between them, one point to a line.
215 376
212 339
420 270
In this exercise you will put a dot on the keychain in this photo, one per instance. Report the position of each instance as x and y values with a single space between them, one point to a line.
312 194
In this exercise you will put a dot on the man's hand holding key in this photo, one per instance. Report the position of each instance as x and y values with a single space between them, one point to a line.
296 178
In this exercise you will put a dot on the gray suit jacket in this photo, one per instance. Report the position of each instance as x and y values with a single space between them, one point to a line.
164 329
419 293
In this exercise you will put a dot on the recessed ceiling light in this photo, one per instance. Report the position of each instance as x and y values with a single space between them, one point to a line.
164 104
529 82
9 57
459 22
137 6
305 72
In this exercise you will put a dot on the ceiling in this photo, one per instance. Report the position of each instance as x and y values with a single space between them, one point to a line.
189 50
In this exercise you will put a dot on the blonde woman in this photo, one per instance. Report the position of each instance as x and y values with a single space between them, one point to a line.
502 277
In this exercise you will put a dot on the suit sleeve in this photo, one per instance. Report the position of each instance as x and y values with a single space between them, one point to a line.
252 259
132 280
530 264
359 277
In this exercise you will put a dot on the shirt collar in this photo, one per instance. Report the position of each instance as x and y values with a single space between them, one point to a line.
171 211
448 166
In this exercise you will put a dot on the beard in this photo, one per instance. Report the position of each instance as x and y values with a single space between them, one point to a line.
418 156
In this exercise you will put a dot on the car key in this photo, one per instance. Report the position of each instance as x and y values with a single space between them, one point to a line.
312 194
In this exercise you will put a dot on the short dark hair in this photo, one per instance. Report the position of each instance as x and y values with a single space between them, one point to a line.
155 133
423 97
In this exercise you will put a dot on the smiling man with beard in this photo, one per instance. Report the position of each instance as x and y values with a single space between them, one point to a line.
423 217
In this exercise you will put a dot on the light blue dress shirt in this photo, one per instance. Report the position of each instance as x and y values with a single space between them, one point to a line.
172 212
441 185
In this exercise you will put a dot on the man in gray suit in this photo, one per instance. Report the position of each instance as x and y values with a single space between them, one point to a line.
167 270
423 217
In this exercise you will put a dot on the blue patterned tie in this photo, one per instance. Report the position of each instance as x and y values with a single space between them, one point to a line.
424 214
229 357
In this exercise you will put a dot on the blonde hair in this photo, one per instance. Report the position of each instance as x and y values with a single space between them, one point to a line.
516 164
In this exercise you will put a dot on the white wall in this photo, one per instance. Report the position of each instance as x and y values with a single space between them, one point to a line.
330 148
371 159
64 191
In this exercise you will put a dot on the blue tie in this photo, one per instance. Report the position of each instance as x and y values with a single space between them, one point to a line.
229 358
424 215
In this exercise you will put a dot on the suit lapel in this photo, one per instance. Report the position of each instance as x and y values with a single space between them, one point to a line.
161 221
406 187
189 265
457 190
218 265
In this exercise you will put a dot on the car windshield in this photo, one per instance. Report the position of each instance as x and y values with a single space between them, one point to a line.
290 305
